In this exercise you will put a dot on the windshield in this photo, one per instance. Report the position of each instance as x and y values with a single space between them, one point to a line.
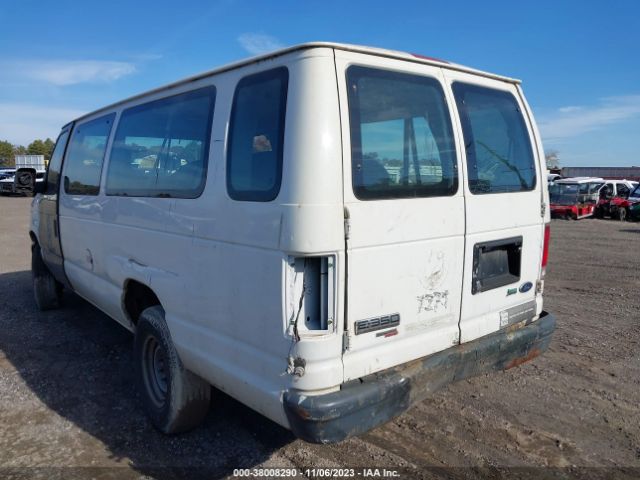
636 193
595 187
564 193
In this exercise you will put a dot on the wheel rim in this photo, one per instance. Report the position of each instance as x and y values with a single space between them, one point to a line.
155 371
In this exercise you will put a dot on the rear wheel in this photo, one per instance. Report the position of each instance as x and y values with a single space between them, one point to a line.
47 291
175 399
622 214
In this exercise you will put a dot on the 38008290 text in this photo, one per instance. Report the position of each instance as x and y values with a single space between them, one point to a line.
317 473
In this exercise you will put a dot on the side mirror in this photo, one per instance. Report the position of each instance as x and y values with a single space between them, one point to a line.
40 187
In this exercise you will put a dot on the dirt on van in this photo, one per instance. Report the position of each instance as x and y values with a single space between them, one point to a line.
69 409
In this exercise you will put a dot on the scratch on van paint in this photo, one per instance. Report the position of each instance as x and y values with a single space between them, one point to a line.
433 301
435 271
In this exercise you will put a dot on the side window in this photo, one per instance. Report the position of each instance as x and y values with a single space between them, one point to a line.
401 136
499 153
55 164
161 148
623 190
256 136
83 163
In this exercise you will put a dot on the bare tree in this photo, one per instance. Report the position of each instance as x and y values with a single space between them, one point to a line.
552 158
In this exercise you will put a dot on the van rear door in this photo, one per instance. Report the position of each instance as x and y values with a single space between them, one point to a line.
404 209
504 205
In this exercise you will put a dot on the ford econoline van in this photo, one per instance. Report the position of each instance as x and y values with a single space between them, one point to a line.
327 233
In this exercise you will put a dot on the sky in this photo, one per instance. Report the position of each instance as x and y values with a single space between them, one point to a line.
578 60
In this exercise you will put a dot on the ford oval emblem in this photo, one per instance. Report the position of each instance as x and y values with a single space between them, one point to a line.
525 287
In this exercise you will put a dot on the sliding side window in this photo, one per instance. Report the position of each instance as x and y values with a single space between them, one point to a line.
499 153
83 164
256 136
161 148
401 136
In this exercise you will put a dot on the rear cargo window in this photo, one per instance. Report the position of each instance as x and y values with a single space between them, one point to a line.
499 153
83 164
256 136
401 136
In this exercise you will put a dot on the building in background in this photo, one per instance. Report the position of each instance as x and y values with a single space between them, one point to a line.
613 173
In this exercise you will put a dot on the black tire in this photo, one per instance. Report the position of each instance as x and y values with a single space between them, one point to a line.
47 291
175 399
622 214
24 179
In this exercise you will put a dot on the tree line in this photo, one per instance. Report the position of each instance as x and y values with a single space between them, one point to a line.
8 151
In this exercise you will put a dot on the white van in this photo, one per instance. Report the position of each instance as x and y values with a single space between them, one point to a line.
327 233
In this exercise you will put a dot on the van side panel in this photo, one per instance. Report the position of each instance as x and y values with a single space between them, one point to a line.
220 267
232 324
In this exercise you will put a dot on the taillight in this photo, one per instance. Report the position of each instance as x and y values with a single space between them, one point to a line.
545 248
311 294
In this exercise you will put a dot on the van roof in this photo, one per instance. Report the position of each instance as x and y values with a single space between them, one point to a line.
381 52
581 180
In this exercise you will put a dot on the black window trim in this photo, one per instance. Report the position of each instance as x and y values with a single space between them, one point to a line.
268 196
76 126
354 130
212 94
465 126
68 129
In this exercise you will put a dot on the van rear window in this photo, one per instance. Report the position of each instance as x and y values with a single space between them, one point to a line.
401 136
499 153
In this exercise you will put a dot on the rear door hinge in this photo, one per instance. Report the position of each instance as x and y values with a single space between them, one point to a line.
345 341
543 209
347 223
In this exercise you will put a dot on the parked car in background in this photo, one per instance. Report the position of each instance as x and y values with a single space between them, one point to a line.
574 198
614 199
7 176
634 204
552 177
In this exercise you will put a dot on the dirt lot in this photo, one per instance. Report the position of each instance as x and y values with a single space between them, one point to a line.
67 396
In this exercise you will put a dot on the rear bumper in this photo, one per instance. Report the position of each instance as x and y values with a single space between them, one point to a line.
364 404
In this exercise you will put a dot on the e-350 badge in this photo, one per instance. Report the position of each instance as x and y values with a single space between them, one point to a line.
377 323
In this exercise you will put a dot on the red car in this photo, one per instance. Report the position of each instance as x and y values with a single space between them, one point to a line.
614 200
574 198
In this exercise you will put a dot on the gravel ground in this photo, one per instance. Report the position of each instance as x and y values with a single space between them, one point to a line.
68 407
